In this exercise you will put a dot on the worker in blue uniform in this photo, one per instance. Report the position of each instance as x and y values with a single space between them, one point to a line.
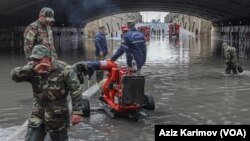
134 45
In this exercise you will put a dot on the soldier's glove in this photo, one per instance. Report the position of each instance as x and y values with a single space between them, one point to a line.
80 71
84 68
91 67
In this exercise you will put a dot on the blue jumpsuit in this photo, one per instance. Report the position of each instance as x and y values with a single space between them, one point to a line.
100 45
135 47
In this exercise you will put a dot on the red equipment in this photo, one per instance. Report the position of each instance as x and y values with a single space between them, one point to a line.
124 29
123 90
145 30
174 30
174 41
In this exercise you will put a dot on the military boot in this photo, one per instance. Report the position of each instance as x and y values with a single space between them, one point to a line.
227 70
59 136
35 134
240 69
234 71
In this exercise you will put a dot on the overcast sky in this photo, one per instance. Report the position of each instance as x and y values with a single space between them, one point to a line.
147 16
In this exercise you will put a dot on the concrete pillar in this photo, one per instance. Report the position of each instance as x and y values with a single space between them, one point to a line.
215 31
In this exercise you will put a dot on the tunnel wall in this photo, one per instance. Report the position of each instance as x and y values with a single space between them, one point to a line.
11 37
237 36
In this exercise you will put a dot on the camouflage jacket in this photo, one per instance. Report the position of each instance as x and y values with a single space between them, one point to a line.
36 33
50 91
230 53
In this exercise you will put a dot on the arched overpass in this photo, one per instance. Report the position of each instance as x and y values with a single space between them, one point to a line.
22 12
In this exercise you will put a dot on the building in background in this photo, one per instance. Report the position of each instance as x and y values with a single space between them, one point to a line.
149 16
190 23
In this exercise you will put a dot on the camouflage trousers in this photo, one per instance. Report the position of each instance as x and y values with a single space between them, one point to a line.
38 134
99 73
231 65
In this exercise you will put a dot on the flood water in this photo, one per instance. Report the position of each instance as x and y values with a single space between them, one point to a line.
185 77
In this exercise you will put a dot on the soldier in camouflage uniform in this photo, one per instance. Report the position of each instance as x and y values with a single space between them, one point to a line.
40 32
231 58
52 81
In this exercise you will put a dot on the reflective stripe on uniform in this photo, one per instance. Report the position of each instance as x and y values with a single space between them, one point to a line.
140 41
103 63
122 45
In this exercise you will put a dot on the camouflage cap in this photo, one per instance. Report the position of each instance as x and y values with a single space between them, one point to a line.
224 44
40 51
48 13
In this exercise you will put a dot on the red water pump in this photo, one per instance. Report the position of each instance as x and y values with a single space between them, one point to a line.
123 92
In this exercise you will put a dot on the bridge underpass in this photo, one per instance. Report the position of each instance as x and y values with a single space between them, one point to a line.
16 14
188 82
83 11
